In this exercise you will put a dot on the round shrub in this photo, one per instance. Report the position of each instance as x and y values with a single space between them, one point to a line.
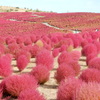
22 62
39 43
88 91
90 75
75 55
89 57
94 63
55 52
13 47
30 94
5 66
27 40
35 50
97 44
75 66
63 72
64 57
63 48
84 42
89 49
23 52
67 88
45 58
16 83
41 73
33 38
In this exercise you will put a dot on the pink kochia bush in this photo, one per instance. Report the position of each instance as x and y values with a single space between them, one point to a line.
89 57
88 91
16 83
75 55
89 49
63 72
90 75
94 63
13 47
64 57
63 48
35 50
97 44
22 62
33 38
67 88
30 94
41 73
23 52
55 52
45 58
75 66
5 65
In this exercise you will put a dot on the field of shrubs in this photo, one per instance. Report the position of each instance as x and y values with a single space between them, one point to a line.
41 58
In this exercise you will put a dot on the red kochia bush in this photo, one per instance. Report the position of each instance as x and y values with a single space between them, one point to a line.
88 91
55 52
27 40
97 44
5 66
94 63
2 40
89 57
63 72
63 48
2 49
64 57
45 58
67 88
84 42
90 75
41 73
30 95
33 38
75 55
89 49
75 66
19 40
22 62
16 83
23 52
35 50
13 47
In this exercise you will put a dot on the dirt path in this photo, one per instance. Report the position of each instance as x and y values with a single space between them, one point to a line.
47 24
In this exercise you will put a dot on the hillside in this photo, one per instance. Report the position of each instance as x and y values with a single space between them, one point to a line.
16 9
47 23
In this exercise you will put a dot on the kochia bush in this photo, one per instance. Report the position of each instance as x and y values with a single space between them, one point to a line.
22 62
67 88
90 75
16 83
94 63
63 72
88 91
75 55
89 49
30 94
64 57
5 65
45 58
41 73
